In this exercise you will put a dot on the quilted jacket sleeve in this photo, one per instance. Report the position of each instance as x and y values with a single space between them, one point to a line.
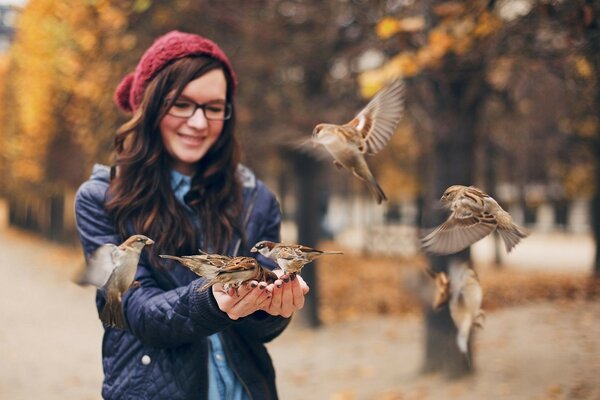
157 317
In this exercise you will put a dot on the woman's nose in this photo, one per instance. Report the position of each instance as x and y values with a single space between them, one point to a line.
198 119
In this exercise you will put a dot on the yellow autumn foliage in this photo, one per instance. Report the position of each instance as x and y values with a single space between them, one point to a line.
387 27
62 64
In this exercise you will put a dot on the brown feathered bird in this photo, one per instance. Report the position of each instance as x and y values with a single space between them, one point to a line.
465 301
474 215
205 265
291 258
232 272
113 268
367 133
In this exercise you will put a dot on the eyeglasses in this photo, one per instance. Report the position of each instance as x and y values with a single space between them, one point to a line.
212 111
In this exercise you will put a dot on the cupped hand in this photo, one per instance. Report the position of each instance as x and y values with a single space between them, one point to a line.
252 296
288 295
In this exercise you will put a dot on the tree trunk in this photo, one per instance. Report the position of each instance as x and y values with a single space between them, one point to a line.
452 163
308 220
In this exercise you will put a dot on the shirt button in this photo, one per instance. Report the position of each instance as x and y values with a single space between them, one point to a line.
146 359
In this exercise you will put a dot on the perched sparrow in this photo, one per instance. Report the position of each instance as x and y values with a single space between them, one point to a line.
465 302
290 257
201 264
367 133
113 268
474 215
231 272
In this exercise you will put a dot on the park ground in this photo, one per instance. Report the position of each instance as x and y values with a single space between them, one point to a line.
541 338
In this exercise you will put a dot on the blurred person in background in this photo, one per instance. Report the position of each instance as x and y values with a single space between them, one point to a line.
177 179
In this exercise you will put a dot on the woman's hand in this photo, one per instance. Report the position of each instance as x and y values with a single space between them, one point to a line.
288 295
280 298
252 297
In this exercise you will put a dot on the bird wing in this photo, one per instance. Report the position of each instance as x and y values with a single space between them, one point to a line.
238 264
308 147
101 264
289 252
460 230
377 121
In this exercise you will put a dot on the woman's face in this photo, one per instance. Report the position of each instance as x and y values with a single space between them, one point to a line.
187 140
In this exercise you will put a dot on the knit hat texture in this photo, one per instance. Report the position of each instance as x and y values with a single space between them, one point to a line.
167 48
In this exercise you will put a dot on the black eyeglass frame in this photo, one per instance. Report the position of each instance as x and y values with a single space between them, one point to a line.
228 111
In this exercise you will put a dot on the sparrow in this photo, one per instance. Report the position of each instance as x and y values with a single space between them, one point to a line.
474 215
367 133
201 265
113 268
291 258
465 302
441 291
232 273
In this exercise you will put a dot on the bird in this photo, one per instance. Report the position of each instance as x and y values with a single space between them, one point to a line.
232 273
367 133
465 300
474 215
291 258
441 288
113 268
200 264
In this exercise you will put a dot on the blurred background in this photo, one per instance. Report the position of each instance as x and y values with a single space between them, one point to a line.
500 94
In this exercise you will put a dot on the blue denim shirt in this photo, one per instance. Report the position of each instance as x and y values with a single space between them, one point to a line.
222 382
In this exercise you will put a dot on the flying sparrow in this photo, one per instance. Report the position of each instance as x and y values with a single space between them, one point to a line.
465 302
474 215
291 258
367 133
113 268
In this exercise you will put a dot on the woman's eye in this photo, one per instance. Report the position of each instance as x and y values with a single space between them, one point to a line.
216 108
182 104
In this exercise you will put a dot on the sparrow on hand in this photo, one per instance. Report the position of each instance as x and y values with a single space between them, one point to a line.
465 302
367 133
474 215
200 264
291 258
113 268
231 272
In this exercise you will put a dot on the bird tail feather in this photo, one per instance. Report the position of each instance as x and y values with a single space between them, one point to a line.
512 236
112 313
377 191
462 338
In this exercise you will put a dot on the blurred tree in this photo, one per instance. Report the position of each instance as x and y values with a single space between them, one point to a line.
586 14
488 86
442 51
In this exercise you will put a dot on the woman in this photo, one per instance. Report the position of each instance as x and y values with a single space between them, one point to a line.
177 179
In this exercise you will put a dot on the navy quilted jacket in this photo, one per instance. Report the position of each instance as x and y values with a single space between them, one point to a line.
164 355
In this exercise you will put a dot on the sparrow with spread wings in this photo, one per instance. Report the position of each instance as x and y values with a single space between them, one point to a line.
474 215
291 258
367 133
113 268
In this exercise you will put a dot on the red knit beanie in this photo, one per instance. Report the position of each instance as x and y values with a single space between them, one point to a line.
169 47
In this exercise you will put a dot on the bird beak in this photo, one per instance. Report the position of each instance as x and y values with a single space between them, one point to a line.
253 250
149 242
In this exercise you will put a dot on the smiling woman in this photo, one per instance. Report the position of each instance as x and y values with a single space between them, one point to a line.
177 179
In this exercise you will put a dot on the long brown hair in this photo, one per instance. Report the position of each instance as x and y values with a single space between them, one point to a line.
141 199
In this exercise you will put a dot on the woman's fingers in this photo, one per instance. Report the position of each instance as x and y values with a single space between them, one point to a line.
250 297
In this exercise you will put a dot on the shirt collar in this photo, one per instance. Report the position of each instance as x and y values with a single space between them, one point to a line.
180 184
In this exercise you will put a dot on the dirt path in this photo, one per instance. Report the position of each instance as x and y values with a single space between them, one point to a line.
50 344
